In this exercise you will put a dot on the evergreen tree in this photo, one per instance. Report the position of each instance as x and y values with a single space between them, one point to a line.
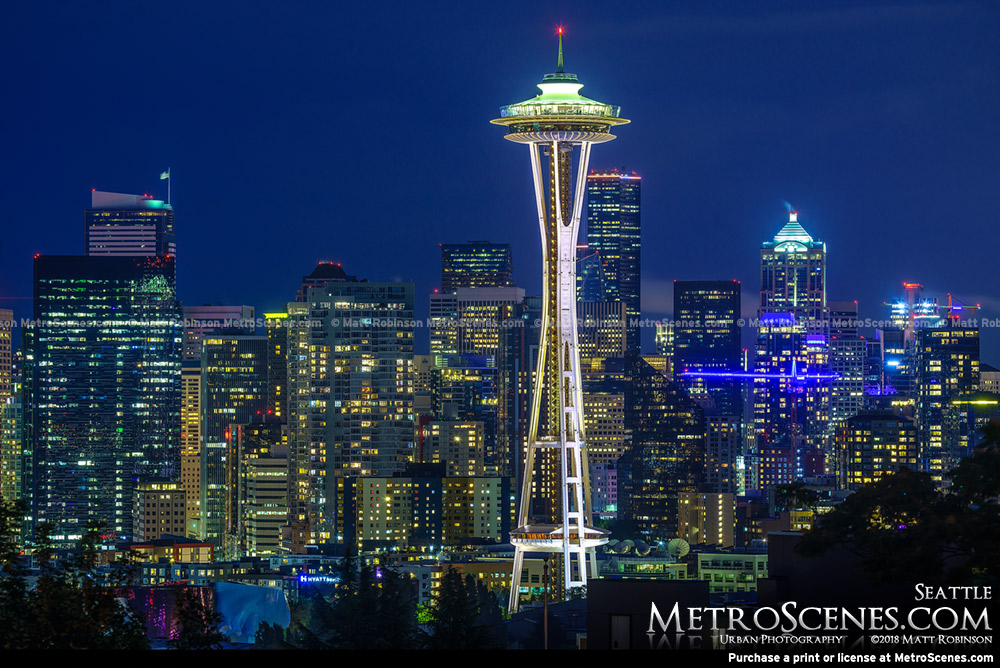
369 609
457 618
903 528
270 636
15 615
67 608
197 624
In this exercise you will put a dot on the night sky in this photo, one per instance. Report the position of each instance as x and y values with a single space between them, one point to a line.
306 131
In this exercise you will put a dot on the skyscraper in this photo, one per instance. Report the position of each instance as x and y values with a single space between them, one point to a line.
475 264
791 380
478 322
6 353
355 417
120 225
199 322
613 232
259 474
299 364
602 331
707 338
105 376
554 124
947 366
665 454
12 450
589 275
233 392
460 390
325 272
793 274
847 360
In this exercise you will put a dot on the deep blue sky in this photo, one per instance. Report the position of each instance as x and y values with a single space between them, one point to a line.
301 131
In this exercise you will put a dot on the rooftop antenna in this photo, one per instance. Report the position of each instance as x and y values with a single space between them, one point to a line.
559 63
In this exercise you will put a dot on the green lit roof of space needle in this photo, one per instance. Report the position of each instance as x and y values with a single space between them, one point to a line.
560 102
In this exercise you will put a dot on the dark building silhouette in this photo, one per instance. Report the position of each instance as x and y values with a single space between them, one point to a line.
707 338
665 452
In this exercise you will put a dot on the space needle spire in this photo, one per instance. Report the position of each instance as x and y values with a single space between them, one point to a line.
559 126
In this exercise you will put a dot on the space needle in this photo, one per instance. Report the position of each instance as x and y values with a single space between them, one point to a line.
559 126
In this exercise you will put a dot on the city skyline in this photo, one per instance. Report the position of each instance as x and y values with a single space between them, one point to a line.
928 107
327 366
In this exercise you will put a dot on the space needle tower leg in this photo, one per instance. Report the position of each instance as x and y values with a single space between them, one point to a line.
555 124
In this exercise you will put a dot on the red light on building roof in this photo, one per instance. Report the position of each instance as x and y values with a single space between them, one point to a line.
559 30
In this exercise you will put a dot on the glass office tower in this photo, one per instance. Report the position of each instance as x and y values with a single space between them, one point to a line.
104 365
613 232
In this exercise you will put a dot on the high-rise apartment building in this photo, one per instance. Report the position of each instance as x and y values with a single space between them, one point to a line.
120 225
358 405
424 508
455 443
104 368
707 518
296 336
722 449
613 232
947 367
190 458
874 443
325 272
